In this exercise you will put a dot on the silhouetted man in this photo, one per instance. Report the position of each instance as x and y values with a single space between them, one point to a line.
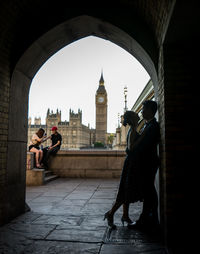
146 146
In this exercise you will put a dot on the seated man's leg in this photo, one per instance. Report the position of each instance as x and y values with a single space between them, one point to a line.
45 150
53 151
45 159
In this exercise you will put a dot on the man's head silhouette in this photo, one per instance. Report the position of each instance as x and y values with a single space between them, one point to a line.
149 109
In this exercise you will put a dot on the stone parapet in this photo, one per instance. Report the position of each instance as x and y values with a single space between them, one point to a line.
35 177
88 164
30 160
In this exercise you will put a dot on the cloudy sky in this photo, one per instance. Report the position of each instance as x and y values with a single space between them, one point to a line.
70 78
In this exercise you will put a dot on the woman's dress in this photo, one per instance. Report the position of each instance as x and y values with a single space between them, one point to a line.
131 180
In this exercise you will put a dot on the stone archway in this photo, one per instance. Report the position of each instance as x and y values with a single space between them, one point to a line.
31 61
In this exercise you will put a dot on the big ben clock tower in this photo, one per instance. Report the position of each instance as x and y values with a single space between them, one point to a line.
101 112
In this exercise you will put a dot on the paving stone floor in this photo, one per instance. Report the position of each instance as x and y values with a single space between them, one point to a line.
67 217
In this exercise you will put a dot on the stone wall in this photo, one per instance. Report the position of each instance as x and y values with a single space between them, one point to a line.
5 72
88 164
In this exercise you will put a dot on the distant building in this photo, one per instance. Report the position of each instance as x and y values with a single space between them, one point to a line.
76 135
146 94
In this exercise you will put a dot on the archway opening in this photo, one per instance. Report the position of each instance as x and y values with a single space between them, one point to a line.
68 82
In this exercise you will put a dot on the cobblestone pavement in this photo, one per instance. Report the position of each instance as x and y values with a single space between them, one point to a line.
67 217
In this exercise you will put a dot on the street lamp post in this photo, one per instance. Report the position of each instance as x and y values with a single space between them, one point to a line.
118 120
125 98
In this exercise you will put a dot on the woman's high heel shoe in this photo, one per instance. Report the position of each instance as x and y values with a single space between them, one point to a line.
128 220
109 220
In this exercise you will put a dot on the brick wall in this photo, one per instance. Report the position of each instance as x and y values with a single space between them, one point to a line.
179 171
161 110
156 14
4 110
9 11
177 74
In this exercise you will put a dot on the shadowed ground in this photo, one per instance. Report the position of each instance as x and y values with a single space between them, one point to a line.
67 217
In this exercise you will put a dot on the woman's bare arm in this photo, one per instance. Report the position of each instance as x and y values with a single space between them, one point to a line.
45 139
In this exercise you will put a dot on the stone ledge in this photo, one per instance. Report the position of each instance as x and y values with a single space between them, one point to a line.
35 177
88 164
30 160
90 153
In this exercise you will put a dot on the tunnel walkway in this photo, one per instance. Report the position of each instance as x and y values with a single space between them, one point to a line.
67 217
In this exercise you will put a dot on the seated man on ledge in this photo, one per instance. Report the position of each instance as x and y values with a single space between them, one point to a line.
56 140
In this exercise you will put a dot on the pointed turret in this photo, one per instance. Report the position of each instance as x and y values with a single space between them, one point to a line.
101 88
101 81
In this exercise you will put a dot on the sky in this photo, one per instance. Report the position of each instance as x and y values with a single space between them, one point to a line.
70 78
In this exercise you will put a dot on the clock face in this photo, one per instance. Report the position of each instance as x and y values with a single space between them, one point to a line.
101 99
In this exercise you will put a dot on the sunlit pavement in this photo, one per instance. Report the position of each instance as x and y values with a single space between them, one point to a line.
67 217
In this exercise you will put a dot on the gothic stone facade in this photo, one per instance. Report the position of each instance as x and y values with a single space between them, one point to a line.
75 135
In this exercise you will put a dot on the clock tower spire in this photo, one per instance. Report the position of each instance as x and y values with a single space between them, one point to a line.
101 112
101 81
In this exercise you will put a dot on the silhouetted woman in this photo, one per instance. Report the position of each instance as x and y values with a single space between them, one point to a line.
130 187
34 146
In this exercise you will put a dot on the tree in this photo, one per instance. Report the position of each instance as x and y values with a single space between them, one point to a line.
110 139
98 144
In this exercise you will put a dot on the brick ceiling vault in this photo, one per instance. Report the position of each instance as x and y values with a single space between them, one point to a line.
40 16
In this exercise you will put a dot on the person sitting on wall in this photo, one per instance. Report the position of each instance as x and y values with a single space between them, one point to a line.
56 140
34 146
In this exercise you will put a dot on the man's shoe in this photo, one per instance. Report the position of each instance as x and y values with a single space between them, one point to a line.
145 227
134 225
138 225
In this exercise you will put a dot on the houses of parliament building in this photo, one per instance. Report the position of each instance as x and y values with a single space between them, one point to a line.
76 135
